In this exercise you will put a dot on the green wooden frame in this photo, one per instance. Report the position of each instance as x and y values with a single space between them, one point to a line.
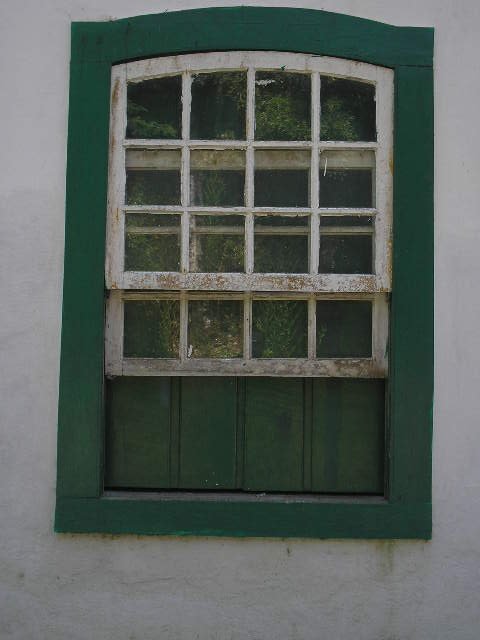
96 46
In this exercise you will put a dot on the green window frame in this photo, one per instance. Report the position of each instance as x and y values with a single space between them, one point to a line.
405 511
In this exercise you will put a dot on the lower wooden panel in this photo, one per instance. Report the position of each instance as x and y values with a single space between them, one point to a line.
318 435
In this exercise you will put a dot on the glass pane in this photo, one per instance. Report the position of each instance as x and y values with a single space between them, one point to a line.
346 221
344 329
152 242
154 108
282 106
152 328
217 178
281 244
279 329
218 106
347 179
282 178
345 254
153 177
347 110
215 328
217 243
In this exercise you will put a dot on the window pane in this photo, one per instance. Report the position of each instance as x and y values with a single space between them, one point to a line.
344 329
347 110
279 329
218 106
281 244
282 178
152 328
282 106
153 177
217 178
152 242
215 328
346 221
217 243
347 179
154 108
345 254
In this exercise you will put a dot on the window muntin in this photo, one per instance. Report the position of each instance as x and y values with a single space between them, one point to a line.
326 204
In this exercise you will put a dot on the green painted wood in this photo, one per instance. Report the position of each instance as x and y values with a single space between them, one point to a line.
81 411
138 433
240 445
208 433
270 29
232 518
175 399
411 387
274 434
81 404
307 433
348 436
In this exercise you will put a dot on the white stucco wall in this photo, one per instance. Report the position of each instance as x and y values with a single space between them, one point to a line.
87 587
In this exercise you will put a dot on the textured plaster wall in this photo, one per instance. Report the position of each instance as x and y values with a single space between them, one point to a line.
88 587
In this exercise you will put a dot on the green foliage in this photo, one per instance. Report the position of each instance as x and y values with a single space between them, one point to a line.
219 105
152 329
216 328
276 119
152 252
279 329
337 123
140 126
153 187
281 254
222 253
213 189
348 110
282 106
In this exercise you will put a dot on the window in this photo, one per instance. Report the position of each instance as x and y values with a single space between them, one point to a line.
249 229
249 273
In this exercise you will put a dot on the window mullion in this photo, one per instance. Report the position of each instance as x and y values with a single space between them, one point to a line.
314 177
314 216
183 326
185 173
312 328
249 165
247 327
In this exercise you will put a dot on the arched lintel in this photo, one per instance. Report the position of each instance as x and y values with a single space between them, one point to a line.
251 28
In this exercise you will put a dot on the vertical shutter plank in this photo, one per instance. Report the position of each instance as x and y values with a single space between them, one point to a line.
208 433
274 434
348 436
138 433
